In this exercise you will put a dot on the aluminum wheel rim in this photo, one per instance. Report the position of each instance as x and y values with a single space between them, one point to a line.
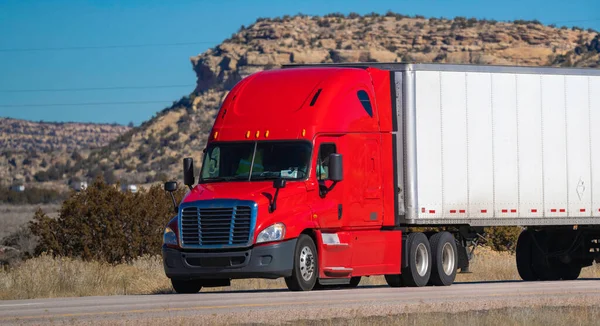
421 259
448 260
307 264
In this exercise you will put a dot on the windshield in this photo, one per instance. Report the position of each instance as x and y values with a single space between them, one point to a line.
256 161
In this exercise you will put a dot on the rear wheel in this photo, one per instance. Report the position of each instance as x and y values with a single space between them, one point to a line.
186 286
543 266
524 256
569 271
394 280
444 259
418 271
306 269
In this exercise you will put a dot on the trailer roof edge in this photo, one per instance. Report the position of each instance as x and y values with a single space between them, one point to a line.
394 66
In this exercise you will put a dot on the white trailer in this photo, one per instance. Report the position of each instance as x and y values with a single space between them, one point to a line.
503 146
498 145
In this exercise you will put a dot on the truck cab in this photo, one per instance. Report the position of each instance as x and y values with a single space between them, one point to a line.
291 184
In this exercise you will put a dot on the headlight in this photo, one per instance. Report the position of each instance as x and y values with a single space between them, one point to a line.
274 232
169 237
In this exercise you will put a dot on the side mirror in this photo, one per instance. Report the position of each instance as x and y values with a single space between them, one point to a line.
336 168
188 172
170 186
279 183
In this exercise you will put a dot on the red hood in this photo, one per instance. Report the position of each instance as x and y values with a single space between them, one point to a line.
291 202
245 190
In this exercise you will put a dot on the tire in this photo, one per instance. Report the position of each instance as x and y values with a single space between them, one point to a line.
524 256
569 272
444 258
419 261
394 280
545 268
187 286
306 265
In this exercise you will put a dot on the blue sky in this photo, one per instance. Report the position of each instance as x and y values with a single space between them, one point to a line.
68 24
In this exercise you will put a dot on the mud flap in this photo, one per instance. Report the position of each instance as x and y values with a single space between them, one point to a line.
463 257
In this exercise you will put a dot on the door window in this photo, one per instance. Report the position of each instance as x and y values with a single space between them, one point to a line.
323 160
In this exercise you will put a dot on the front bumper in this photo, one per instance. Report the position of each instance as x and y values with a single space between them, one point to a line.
267 261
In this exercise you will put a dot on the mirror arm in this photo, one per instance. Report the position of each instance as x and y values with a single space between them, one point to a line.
174 202
273 205
323 190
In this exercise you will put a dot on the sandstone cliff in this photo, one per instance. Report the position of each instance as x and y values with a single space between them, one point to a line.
154 150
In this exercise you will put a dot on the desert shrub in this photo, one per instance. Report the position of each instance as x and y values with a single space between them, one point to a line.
335 15
31 196
41 176
109 177
527 22
324 23
503 238
105 224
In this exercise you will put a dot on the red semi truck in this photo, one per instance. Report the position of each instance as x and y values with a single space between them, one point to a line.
317 173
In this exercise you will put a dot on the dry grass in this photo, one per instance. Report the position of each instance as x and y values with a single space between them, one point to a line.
542 316
48 277
537 316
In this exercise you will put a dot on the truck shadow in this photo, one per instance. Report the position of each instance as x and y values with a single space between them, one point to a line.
170 291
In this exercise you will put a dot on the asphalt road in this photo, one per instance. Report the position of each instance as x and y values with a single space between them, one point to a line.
280 305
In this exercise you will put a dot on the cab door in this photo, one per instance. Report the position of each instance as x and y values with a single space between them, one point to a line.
363 192
326 198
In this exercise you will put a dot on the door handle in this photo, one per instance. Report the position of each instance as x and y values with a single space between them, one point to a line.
339 211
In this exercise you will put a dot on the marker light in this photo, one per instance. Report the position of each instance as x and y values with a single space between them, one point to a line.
267 134
248 134
257 133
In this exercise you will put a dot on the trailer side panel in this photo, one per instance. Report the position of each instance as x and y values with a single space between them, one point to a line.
504 148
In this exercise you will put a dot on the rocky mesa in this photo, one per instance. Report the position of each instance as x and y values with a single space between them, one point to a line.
30 147
154 150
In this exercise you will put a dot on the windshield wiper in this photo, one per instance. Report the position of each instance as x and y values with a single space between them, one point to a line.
266 175
276 175
228 178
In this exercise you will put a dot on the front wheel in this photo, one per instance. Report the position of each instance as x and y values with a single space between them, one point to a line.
306 269
187 286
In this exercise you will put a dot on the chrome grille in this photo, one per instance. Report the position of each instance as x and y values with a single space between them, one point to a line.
216 226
